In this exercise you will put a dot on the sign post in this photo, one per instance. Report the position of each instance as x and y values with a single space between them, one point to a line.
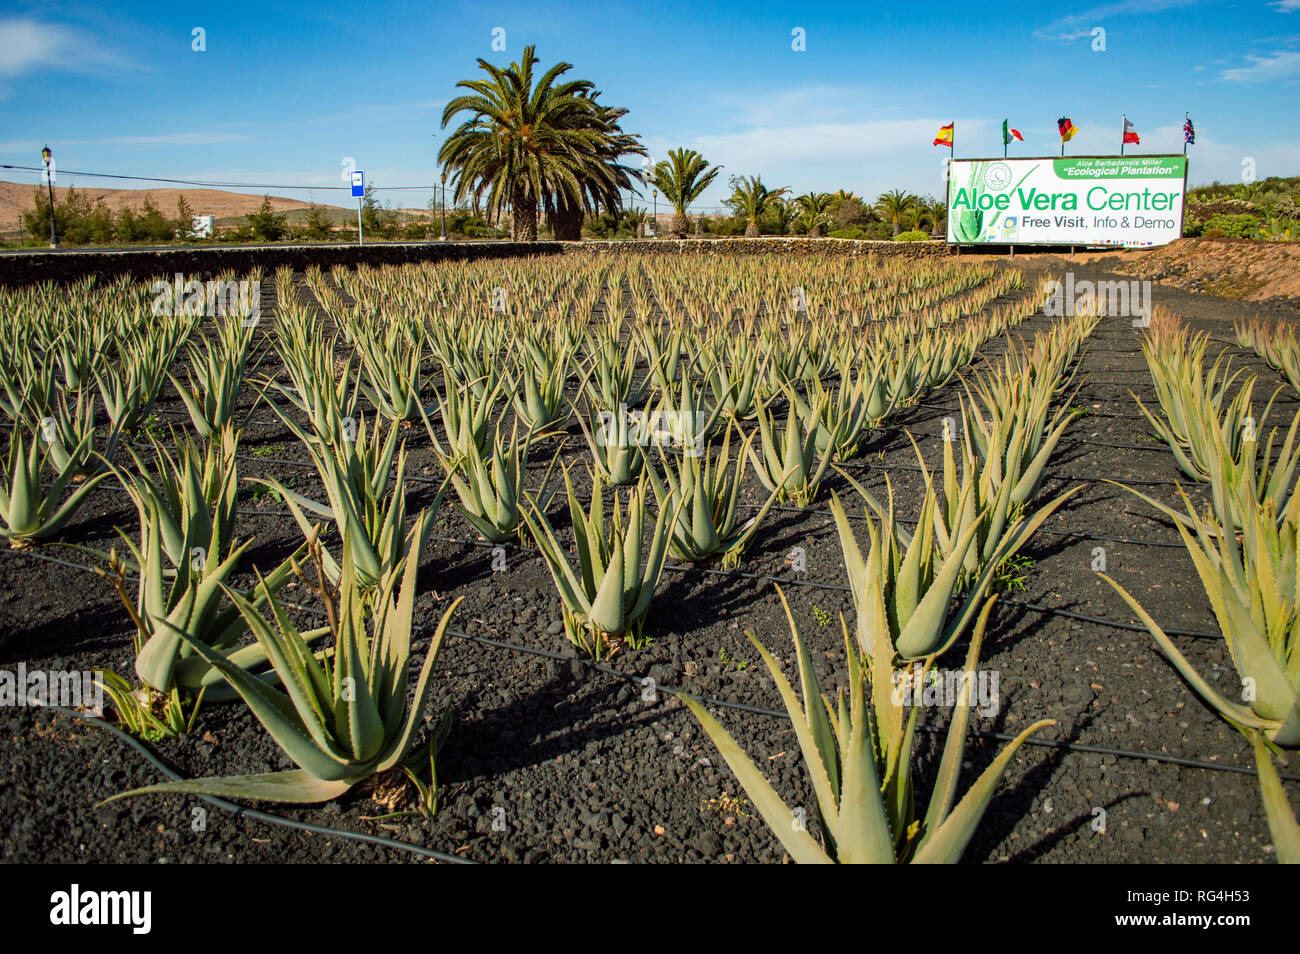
359 193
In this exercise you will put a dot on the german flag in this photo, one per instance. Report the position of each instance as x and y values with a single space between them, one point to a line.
945 136
1067 128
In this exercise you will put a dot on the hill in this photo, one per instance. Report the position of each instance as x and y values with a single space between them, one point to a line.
17 197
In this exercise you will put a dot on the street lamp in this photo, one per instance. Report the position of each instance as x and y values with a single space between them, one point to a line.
444 206
49 185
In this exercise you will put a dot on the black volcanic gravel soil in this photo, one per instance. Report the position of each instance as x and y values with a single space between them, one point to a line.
550 759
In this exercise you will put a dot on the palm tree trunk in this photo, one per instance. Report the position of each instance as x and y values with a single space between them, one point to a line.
751 230
524 216
680 225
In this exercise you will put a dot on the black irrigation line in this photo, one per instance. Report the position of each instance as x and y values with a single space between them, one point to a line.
734 706
256 814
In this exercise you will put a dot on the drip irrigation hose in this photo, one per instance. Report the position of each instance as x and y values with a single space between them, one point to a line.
256 814
760 710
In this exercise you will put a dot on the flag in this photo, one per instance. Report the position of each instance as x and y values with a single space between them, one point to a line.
1009 134
1189 132
945 136
1067 128
1130 133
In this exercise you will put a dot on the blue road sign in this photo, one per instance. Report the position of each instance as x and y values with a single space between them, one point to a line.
358 184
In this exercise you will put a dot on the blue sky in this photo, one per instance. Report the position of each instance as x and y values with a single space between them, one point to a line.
288 93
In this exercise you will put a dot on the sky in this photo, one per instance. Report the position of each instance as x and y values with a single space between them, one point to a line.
811 96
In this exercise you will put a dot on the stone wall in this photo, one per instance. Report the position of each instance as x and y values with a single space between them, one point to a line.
23 268
67 265
768 244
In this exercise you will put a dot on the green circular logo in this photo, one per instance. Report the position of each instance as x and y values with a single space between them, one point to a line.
998 177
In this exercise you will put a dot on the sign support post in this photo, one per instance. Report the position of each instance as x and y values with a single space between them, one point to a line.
359 193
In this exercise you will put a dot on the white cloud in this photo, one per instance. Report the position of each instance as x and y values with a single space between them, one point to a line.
29 45
1280 64
1285 6
1078 25
156 139
867 157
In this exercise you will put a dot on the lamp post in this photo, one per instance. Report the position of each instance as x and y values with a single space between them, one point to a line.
656 212
444 206
49 185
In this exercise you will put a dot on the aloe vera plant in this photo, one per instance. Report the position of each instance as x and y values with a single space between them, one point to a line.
858 753
611 378
390 365
368 513
491 492
1251 585
215 377
30 511
615 439
193 493
72 438
177 599
465 414
708 524
343 716
1194 401
790 464
903 589
606 599
540 375
1276 343
732 370
322 385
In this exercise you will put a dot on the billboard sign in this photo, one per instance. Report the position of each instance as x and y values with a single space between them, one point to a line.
1130 201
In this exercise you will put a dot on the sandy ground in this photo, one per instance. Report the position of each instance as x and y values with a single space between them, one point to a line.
1228 268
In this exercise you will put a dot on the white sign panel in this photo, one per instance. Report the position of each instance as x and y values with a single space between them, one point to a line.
1131 201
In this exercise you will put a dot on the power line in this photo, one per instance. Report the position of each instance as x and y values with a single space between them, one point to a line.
220 185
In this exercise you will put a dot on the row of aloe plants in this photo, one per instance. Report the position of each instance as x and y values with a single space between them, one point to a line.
1244 546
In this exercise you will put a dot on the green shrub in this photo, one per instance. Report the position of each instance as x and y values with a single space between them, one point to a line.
1230 226
852 232
912 236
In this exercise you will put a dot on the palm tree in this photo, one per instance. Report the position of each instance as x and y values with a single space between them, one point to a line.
682 177
783 212
634 218
814 206
894 205
934 212
750 197
601 186
525 143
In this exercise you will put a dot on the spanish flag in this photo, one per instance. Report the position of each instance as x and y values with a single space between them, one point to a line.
1067 128
945 136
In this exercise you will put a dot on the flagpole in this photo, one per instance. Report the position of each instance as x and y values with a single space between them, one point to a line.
1123 128
1186 117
